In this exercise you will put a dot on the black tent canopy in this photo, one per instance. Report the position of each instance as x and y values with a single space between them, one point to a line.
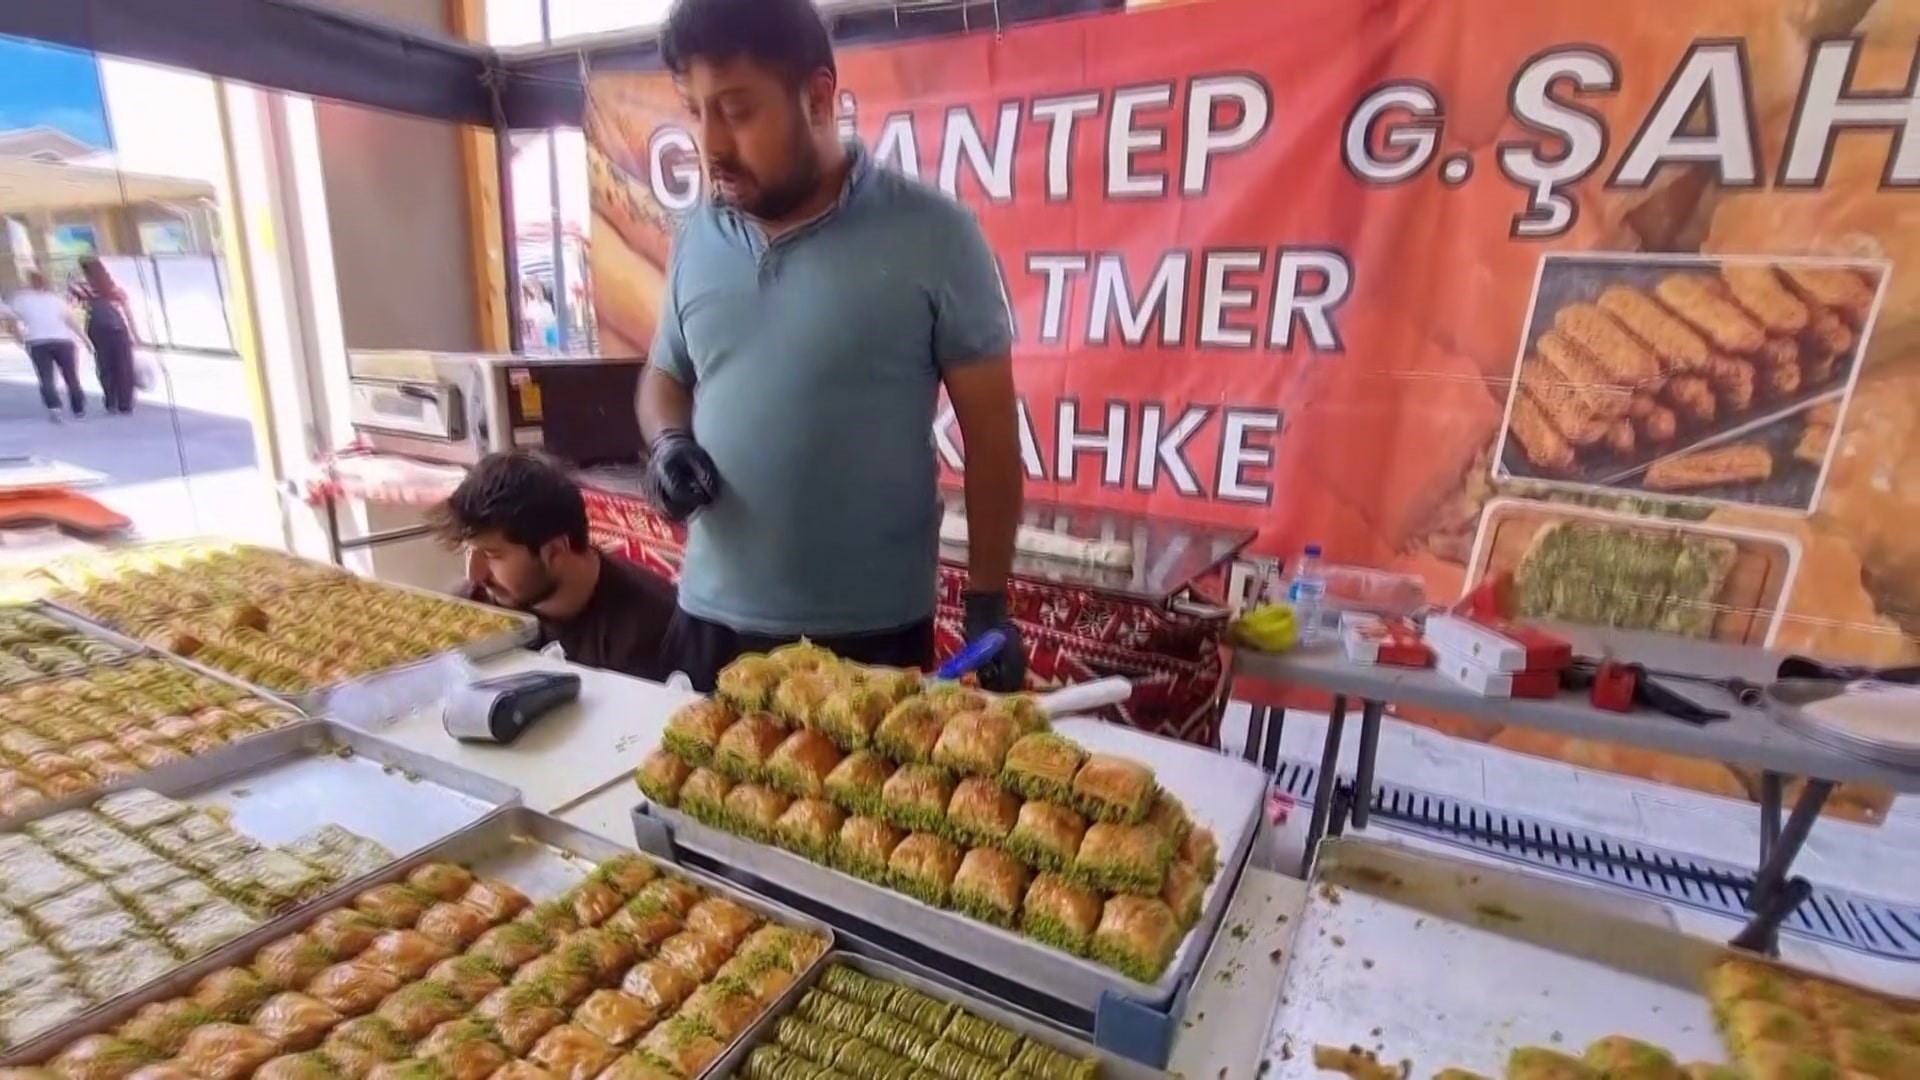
317 48
303 46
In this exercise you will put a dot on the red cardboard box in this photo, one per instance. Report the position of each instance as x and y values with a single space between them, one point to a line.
1370 639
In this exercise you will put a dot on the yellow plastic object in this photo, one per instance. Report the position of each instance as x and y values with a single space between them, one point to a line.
1268 628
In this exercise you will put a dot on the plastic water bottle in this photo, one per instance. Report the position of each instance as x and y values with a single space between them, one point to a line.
1305 593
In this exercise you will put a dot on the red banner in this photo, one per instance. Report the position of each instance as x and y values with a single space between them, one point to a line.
1447 287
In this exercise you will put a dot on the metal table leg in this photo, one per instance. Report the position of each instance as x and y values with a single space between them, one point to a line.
1775 895
1270 746
1221 703
1370 712
333 531
1772 785
1323 784
1786 847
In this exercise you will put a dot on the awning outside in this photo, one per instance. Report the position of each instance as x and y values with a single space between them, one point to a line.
313 47
29 186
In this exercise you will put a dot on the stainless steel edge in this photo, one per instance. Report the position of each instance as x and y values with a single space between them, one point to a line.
1019 959
1012 956
1564 916
191 773
184 778
221 757
1448 962
1112 1066
201 771
434 770
496 831
1786 701
241 949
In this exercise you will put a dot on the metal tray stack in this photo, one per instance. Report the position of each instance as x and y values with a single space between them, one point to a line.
1448 963
1220 792
1112 1066
133 651
322 701
537 854
1788 701
277 786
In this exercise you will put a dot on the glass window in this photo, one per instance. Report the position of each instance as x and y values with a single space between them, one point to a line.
125 163
513 22
549 201
571 18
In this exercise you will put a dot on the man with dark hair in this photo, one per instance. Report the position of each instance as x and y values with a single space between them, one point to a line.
523 524
816 306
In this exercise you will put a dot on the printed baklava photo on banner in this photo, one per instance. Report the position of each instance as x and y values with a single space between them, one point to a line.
1718 380
1598 568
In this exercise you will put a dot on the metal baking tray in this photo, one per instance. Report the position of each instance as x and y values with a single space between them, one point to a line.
321 701
1112 1066
1222 793
318 701
1787 700
283 783
541 856
137 649
115 556
1451 963
280 784
83 628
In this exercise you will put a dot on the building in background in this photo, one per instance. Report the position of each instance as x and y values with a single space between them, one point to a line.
69 190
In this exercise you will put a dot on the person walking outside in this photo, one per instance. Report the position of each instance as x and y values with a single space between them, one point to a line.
48 328
110 332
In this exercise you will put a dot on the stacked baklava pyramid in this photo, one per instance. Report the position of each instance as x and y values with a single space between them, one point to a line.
959 799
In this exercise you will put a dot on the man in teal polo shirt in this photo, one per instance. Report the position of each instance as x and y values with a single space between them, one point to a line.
815 306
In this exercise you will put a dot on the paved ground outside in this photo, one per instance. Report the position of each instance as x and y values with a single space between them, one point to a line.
182 464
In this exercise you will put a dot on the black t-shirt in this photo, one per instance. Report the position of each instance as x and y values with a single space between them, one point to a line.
623 625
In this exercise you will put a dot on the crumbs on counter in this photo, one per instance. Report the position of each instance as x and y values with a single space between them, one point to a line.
1358 1063
1372 875
1496 912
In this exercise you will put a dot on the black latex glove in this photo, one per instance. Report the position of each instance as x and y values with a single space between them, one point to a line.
680 476
1006 673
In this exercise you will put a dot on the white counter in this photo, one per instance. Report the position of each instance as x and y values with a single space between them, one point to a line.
577 764
570 753
1236 994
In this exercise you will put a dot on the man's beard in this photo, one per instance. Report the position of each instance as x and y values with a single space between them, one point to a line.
775 202
534 597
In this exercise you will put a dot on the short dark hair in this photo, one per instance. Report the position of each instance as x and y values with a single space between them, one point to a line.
786 35
525 498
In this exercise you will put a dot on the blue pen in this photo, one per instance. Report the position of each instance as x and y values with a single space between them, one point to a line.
976 655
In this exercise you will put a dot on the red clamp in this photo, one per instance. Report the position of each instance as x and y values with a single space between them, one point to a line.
1614 685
